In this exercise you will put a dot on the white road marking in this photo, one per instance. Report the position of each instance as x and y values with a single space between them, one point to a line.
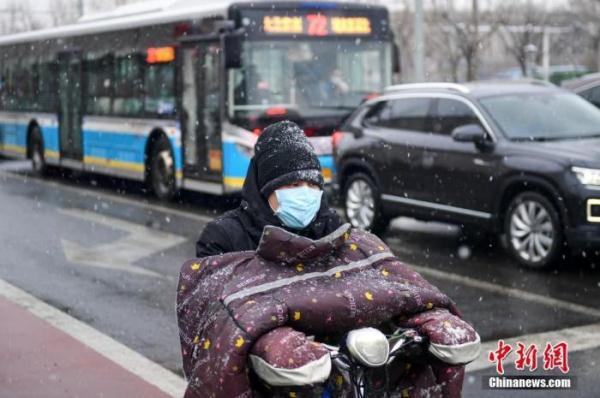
136 363
140 242
578 338
508 291
111 197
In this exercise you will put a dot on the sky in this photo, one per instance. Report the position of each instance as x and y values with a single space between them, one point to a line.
41 8
44 5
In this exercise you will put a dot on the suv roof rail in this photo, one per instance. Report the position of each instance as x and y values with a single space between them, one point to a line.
524 80
539 82
530 80
416 86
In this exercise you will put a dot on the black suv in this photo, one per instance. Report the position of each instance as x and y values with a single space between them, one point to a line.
520 159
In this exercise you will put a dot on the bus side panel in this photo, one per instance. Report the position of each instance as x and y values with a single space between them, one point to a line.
51 142
123 152
49 127
174 136
13 134
327 167
235 165
118 147
236 161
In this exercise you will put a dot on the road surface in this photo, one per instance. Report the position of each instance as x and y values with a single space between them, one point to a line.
108 254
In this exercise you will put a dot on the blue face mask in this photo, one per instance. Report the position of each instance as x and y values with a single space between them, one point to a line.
298 206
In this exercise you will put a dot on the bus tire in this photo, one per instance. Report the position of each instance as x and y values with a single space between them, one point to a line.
162 169
36 152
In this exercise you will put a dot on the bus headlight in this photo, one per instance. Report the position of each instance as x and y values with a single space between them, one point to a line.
587 176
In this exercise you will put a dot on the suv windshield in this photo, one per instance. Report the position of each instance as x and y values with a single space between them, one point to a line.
543 116
312 78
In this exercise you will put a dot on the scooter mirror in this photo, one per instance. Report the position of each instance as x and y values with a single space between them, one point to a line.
368 346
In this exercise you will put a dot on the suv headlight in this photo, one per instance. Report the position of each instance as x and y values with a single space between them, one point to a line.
587 176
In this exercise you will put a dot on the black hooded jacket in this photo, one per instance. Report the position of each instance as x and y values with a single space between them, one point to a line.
240 229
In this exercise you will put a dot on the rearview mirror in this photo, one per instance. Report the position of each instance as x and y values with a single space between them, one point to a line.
233 50
469 133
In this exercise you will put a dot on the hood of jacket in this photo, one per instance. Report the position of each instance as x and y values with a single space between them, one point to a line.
256 213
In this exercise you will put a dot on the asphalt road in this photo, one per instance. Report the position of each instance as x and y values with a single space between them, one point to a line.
107 253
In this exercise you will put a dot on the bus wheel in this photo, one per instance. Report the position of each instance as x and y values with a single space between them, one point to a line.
162 170
36 151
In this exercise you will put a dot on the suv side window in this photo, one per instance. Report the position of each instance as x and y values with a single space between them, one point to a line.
450 114
592 95
403 114
378 115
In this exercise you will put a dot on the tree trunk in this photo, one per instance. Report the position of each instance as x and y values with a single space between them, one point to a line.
454 67
473 58
471 67
521 59
597 51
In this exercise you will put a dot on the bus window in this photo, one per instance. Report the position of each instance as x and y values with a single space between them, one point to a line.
159 85
99 86
314 78
210 112
3 89
128 85
47 86
11 88
34 86
201 108
6 89
250 87
24 92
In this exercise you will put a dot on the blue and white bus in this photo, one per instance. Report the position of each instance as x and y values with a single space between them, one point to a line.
176 95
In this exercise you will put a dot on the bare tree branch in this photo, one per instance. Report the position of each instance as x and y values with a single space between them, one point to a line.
462 30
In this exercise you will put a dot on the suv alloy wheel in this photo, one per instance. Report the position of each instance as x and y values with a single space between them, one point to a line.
533 230
361 203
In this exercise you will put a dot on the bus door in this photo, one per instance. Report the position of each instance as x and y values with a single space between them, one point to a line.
70 105
202 104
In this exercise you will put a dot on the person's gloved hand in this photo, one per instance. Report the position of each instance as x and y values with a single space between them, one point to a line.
285 357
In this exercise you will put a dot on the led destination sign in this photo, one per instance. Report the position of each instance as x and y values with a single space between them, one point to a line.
316 25
342 22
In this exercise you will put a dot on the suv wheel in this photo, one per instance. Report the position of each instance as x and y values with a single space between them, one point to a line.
533 230
361 203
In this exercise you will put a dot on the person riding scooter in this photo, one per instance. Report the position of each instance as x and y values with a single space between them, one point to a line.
281 268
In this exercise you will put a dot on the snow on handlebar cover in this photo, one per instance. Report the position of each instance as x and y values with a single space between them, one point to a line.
229 305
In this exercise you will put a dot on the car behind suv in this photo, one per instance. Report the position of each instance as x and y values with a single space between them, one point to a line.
520 159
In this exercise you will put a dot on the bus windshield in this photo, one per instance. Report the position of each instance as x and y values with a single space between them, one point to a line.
310 77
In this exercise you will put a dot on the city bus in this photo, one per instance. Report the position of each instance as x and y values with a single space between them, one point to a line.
176 95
